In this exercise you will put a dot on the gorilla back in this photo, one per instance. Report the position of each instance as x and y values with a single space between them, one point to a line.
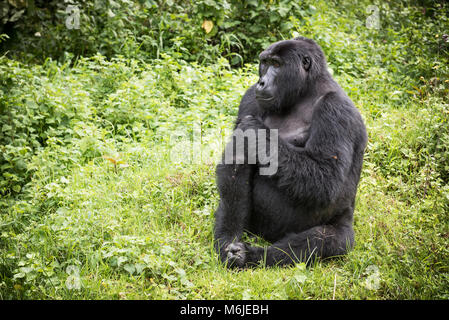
306 207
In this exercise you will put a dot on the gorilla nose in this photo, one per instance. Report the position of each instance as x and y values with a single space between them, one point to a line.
263 90
260 88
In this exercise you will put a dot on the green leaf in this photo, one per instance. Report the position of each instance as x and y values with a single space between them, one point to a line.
300 278
121 259
16 16
130 268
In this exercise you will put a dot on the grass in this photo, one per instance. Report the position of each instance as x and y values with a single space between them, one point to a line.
144 230
99 202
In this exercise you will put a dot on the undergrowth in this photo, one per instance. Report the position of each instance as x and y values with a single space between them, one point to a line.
108 170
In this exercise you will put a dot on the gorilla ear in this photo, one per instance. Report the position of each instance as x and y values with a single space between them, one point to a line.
306 62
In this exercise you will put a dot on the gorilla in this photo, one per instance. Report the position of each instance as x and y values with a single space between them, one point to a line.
305 208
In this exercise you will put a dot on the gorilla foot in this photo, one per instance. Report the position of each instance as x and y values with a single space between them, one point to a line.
236 254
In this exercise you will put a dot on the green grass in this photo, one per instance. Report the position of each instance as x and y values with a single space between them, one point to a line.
142 227
88 181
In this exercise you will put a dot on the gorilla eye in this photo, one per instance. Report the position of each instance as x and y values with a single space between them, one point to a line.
271 62
306 62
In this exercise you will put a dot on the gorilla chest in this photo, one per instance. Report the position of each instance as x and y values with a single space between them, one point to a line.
293 128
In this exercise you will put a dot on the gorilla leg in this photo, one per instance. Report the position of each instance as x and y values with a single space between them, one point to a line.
318 242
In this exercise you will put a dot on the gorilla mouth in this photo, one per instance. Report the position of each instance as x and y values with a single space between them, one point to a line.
264 98
267 102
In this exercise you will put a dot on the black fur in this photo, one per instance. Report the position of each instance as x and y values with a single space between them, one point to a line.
306 208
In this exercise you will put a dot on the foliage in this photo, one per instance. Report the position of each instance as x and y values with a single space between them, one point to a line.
237 30
145 29
96 202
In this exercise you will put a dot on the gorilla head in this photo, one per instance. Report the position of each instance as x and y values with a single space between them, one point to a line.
296 64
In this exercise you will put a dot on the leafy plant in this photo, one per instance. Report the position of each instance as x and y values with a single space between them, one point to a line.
97 201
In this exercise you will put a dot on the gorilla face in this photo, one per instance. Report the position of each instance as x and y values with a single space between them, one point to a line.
267 88
286 71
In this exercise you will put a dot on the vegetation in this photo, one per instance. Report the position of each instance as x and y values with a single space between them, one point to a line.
103 191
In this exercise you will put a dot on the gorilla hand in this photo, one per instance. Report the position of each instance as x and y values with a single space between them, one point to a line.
242 255
236 254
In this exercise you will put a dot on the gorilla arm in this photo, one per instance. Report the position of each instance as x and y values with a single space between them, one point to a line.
234 185
316 174
317 177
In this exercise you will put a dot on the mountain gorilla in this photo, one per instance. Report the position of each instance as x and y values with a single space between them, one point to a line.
305 209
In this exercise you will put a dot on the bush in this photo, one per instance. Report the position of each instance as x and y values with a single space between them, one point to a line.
193 30
89 189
